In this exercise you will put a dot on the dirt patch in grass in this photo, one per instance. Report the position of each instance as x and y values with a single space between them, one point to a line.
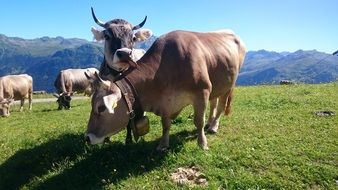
191 176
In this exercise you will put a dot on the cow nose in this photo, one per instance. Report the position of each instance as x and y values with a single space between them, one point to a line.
119 54
87 139
123 54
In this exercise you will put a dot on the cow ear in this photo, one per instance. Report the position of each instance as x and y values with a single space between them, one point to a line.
98 34
56 95
110 101
90 77
7 101
143 34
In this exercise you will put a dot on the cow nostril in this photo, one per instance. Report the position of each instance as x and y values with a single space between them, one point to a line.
87 139
123 54
119 54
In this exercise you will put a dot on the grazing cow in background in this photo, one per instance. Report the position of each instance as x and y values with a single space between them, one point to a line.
72 80
15 87
117 34
286 82
181 68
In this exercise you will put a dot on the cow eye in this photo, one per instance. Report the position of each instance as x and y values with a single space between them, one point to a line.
134 38
101 108
106 35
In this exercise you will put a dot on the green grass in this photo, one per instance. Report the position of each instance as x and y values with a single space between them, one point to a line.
272 140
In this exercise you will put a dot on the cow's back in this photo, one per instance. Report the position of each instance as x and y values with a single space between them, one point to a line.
16 86
80 82
180 65
195 58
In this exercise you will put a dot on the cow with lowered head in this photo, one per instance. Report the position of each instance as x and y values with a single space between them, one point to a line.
117 34
72 80
15 87
181 68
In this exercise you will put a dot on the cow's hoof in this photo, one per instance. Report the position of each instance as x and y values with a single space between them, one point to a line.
162 149
129 141
212 130
204 147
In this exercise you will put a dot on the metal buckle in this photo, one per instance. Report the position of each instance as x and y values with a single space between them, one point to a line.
131 115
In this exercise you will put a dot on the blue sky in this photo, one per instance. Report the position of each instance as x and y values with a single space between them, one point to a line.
277 25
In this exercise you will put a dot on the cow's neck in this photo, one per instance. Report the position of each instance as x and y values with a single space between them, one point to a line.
143 78
105 70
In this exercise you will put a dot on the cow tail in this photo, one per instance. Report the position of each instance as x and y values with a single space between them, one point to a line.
1 91
30 92
62 80
227 108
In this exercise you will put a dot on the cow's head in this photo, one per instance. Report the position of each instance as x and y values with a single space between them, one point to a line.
63 100
118 34
109 114
4 107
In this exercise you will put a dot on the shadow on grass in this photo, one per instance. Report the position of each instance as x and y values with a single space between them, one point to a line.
56 109
70 164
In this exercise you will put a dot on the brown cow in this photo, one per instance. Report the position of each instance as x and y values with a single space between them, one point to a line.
72 80
117 34
181 68
15 87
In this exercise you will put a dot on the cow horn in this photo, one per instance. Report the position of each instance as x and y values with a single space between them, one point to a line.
141 24
86 74
105 83
100 23
98 77
56 95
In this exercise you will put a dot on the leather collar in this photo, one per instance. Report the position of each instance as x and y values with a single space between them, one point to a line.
130 96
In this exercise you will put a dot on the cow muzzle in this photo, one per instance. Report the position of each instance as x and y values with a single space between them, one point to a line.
124 53
123 58
92 139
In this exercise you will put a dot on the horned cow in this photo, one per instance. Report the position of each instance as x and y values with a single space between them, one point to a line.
181 68
72 80
117 34
15 87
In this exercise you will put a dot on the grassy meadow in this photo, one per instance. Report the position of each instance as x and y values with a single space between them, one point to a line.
272 140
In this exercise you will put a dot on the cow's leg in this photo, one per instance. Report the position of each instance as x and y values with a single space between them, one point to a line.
22 101
224 104
164 141
199 119
60 105
129 138
213 110
30 97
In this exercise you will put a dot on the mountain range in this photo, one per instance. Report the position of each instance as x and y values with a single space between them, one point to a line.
268 67
43 58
